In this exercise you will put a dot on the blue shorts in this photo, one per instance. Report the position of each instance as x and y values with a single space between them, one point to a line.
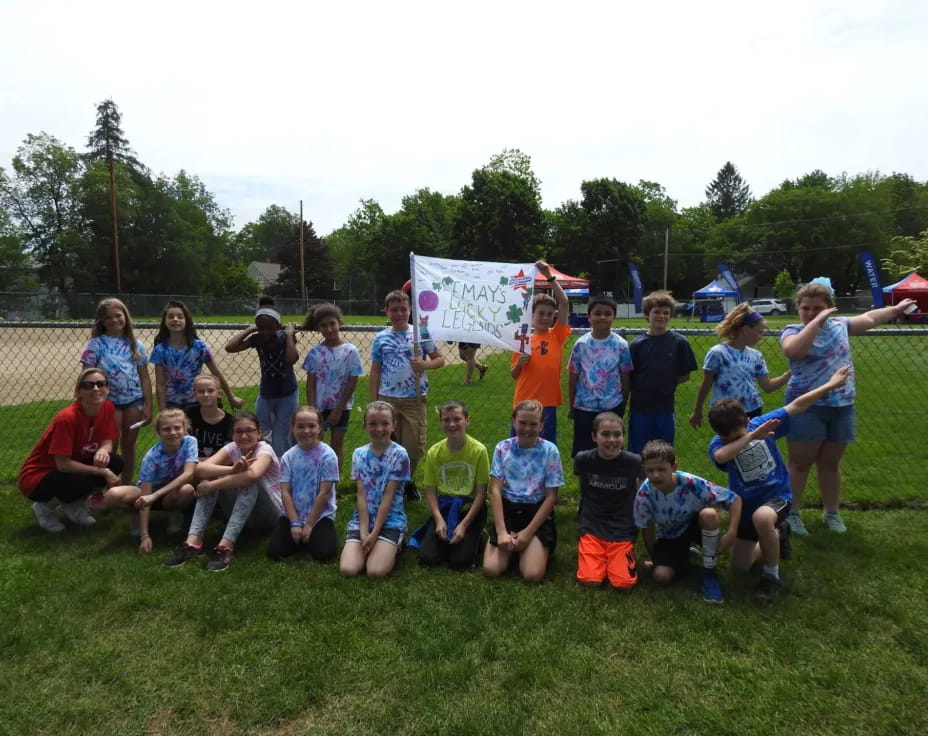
824 424
548 426
135 404
342 425
646 427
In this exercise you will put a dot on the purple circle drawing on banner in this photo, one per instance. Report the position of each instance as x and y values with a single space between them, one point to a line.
428 301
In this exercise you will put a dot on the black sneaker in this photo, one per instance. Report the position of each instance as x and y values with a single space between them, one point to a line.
411 492
769 588
219 559
483 371
182 554
786 549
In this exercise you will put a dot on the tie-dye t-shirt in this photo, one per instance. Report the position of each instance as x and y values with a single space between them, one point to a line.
599 365
305 470
673 512
393 350
160 468
113 355
736 373
332 367
830 350
181 366
270 481
374 473
527 472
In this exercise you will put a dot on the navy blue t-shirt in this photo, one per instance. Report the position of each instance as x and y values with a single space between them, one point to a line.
659 361
277 377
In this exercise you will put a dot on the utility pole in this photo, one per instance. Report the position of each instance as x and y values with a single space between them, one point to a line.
666 252
115 223
302 261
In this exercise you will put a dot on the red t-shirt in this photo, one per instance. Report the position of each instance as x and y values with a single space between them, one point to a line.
71 433
540 378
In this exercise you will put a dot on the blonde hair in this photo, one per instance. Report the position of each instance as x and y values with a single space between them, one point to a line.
168 414
380 406
207 377
128 333
528 405
83 377
734 320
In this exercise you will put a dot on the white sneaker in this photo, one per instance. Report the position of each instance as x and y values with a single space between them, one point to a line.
136 529
175 522
76 512
47 518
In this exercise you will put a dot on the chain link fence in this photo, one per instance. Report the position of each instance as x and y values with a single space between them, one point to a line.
39 363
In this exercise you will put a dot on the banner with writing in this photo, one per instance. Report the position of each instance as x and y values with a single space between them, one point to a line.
730 280
872 272
637 292
474 301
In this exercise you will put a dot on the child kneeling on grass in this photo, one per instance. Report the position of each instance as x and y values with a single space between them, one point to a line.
677 509
457 471
747 450
165 478
524 478
244 478
609 481
308 475
375 533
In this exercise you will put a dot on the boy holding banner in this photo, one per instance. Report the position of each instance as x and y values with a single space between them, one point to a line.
538 371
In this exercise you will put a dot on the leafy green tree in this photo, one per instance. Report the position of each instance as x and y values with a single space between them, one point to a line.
108 143
499 219
783 285
317 265
42 198
728 195
907 254
431 217
16 271
260 240
516 162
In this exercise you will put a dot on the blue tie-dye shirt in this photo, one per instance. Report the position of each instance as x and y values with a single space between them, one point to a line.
160 468
673 512
305 470
113 355
527 472
736 373
830 350
599 365
374 473
181 367
332 367
393 350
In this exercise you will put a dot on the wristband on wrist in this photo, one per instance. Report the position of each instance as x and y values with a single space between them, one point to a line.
295 524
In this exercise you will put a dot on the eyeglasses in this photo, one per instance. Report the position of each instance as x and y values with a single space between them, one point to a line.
245 430
87 385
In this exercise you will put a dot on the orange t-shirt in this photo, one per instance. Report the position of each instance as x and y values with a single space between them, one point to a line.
540 378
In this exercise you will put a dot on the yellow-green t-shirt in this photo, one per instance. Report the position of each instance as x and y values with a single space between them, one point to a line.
457 473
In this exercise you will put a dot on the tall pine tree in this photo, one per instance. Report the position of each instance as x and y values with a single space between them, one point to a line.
728 195
318 266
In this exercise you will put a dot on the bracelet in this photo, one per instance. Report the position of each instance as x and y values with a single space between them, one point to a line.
146 535
295 524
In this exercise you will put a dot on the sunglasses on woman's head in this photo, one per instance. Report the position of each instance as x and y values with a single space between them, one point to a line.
87 385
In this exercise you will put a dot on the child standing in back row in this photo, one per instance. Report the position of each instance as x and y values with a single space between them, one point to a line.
599 369
278 396
394 372
538 371
179 356
114 349
734 369
210 424
662 360
332 370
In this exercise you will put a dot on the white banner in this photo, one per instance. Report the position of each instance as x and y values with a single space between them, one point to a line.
474 301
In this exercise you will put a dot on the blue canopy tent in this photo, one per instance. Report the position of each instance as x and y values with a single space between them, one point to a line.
712 302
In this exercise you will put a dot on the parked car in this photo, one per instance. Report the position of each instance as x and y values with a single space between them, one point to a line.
768 306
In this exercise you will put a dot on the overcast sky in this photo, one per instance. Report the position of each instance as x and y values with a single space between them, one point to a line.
272 102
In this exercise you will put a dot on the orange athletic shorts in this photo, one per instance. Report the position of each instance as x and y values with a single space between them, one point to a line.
599 560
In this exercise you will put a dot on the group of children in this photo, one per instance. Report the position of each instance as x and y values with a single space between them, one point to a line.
246 463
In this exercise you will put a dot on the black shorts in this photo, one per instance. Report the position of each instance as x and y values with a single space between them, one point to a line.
468 345
517 516
675 552
746 528
754 413
342 425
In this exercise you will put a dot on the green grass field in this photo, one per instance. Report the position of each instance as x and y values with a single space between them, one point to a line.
97 640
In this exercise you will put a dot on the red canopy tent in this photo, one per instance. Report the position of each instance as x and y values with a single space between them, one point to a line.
566 282
914 287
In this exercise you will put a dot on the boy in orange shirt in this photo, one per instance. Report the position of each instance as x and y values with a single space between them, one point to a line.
538 372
